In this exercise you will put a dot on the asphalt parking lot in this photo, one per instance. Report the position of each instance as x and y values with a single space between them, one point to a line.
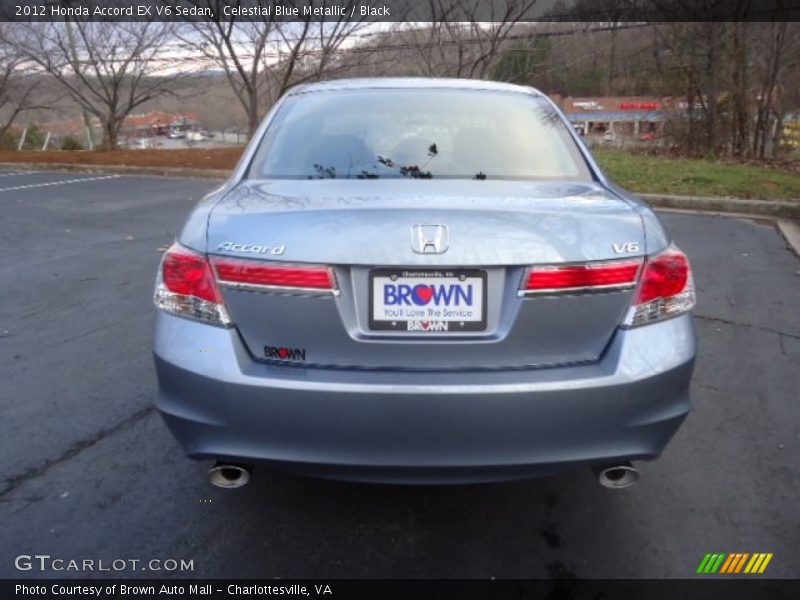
89 470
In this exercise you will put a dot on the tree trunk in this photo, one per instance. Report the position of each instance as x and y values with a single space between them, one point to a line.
111 132
692 126
740 122
690 141
252 111
776 136
612 58
712 87
771 86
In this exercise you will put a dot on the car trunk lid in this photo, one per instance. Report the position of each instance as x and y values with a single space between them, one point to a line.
364 229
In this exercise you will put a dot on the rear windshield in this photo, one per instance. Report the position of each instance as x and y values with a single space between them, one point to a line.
418 133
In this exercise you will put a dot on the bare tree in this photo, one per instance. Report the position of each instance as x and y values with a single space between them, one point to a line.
691 65
605 13
263 58
465 37
311 50
238 48
738 73
776 52
16 87
740 123
428 41
108 68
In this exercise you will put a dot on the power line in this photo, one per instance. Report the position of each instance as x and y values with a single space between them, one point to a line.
310 52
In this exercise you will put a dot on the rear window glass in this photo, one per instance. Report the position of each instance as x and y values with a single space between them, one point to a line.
418 133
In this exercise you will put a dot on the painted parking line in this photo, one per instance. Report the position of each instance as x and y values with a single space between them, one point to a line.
14 173
62 182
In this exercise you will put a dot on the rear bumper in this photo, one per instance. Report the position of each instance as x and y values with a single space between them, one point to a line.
414 427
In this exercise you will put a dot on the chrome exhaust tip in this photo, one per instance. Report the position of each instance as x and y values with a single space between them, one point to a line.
617 476
229 475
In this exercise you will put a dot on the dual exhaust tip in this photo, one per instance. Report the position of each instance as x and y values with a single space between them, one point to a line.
617 476
236 475
229 475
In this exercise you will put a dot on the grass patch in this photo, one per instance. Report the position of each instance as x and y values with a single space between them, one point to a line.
637 173
697 177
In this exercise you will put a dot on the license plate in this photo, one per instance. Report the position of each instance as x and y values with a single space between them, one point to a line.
427 301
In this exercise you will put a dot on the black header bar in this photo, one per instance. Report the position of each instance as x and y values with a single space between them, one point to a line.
612 11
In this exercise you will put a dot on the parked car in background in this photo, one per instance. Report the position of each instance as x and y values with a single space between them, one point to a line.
144 143
196 136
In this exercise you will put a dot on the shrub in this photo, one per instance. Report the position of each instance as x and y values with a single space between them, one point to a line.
9 141
70 142
34 139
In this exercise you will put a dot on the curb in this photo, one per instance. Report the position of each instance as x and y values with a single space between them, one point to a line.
776 209
119 169
790 230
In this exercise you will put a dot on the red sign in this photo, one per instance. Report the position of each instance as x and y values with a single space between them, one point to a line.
639 105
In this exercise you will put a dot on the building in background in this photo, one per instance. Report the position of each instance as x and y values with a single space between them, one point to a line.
157 123
617 118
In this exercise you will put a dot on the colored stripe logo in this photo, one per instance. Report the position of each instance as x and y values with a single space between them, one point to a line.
737 562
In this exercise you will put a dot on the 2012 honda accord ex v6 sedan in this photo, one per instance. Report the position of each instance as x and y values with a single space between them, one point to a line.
422 280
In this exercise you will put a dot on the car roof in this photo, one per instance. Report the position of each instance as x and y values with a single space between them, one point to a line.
361 83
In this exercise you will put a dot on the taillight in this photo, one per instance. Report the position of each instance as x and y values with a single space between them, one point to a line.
187 273
588 277
254 274
666 289
186 287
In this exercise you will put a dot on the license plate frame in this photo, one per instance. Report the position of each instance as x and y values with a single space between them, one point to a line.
434 325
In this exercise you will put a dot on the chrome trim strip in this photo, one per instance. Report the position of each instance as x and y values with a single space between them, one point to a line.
577 290
273 289
285 289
